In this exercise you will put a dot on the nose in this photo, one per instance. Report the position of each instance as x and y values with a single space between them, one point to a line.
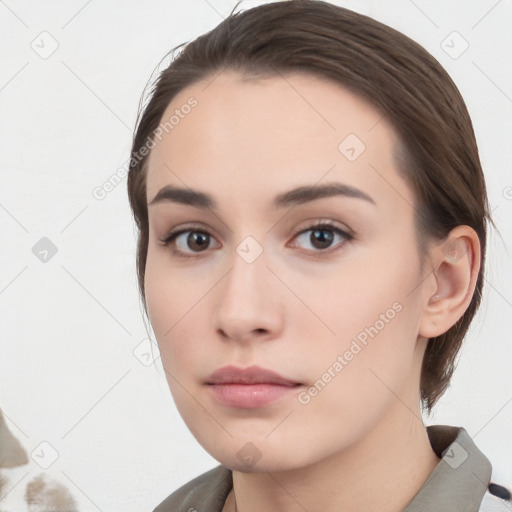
248 302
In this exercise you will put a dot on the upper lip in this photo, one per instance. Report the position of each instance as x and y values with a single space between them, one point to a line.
250 375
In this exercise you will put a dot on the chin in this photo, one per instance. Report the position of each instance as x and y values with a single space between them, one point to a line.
262 466
259 456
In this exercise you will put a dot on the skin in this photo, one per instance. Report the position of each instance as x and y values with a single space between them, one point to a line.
361 441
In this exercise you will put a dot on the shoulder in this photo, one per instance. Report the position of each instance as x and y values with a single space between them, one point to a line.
207 491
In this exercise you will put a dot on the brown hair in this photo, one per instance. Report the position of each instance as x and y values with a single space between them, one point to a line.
438 155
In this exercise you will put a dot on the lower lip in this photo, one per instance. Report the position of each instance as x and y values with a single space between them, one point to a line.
250 396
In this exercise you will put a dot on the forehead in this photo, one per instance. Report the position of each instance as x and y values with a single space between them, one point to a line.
247 137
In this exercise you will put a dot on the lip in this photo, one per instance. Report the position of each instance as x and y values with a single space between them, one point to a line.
251 375
249 388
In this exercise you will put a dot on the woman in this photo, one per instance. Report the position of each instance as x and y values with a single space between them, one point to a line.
312 216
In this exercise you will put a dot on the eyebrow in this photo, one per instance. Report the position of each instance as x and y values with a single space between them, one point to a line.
296 196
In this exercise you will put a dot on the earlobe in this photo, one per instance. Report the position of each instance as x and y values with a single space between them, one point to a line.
456 263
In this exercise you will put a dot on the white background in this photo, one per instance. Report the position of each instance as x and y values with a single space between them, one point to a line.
68 327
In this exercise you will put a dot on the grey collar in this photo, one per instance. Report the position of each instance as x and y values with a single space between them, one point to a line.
460 479
458 482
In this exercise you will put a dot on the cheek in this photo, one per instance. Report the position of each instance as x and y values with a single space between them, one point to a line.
373 318
358 374
362 299
169 294
175 302
168 300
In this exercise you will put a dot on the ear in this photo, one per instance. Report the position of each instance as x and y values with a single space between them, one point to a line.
451 284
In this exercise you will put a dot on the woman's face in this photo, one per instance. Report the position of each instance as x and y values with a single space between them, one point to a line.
334 309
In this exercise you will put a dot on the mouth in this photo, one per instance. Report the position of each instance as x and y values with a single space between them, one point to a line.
250 375
249 388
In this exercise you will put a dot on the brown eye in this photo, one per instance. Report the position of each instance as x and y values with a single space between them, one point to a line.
197 240
322 236
188 242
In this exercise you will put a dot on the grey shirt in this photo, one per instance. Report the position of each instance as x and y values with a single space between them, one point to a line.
458 483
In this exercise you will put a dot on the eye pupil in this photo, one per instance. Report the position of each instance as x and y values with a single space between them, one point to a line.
198 239
320 240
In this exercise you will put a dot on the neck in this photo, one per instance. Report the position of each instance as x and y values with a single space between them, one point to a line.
382 472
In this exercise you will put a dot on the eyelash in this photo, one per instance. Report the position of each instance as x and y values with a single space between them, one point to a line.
348 236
